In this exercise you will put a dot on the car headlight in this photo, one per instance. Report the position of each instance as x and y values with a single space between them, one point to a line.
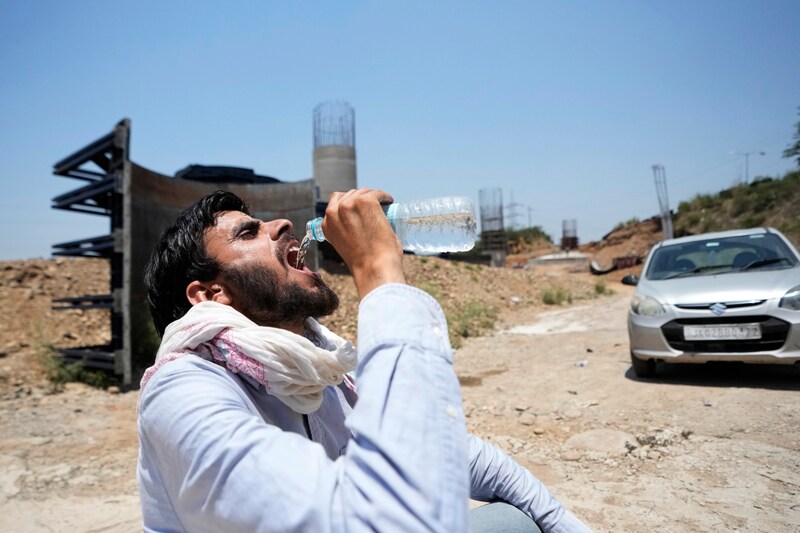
644 305
791 300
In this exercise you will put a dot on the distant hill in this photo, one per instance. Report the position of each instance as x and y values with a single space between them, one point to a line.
763 202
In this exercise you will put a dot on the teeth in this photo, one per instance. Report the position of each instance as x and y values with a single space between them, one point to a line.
294 249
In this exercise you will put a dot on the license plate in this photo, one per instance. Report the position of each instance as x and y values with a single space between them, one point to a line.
722 332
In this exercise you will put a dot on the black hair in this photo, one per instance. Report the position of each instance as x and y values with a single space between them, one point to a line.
179 257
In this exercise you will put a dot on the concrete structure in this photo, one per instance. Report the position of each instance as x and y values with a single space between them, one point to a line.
576 261
569 236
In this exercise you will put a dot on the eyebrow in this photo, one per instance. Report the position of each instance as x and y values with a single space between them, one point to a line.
250 225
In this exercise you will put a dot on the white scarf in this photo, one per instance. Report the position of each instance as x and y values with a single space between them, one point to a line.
290 366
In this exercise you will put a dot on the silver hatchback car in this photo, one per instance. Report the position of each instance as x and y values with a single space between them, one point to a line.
727 296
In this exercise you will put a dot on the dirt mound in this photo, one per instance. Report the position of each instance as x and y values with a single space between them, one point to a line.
629 240
32 327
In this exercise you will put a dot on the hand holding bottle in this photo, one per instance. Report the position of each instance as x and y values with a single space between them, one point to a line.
358 229
430 226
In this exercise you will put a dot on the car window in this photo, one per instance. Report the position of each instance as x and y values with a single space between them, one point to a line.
720 256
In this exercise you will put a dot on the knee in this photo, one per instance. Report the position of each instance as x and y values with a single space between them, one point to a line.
501 517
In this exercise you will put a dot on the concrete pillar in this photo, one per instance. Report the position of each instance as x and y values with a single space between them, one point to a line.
334 170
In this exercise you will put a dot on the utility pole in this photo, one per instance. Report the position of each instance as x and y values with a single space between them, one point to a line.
659 173
747 165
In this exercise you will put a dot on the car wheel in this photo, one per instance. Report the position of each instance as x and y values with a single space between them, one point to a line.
643 368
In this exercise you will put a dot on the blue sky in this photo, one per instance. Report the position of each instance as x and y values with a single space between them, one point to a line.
563 105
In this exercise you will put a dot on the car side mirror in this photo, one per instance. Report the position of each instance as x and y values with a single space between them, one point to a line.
630 279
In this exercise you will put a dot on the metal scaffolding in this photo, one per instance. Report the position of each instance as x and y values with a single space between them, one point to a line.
494 240
334 125
100 165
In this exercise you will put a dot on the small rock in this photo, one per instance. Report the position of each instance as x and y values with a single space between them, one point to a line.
113 389
607 441
572 455
527 419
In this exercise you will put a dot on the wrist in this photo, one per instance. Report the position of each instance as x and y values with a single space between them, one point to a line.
370 276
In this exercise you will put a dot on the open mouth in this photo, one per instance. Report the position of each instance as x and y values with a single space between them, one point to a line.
293 257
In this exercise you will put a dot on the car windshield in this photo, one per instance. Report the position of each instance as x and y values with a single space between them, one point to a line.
720 256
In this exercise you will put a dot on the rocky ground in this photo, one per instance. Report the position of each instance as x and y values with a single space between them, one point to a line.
706 448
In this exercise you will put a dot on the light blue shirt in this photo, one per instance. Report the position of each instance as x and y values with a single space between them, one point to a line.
217 453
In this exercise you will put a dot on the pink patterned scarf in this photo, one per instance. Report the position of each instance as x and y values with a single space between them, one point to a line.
291 367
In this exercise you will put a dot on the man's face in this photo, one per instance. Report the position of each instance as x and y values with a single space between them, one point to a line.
257 261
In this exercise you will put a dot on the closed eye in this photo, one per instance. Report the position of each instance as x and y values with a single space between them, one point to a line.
248 229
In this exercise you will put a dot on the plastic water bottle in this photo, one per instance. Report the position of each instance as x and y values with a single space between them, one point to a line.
430 226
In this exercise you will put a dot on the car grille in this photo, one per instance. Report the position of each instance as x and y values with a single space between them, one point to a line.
773 335
728 305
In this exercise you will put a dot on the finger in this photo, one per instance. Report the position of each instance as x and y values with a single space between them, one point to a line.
368 196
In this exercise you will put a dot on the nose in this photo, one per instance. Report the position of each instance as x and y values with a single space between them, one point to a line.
276 228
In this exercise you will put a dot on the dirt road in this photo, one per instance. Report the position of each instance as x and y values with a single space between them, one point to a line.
699 449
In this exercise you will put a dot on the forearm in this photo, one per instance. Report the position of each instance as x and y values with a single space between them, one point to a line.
495 476
407 425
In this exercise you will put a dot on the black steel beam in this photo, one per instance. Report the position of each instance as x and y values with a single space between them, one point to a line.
98 192
87 153
88 210
96 301
100 357
102 246
86 175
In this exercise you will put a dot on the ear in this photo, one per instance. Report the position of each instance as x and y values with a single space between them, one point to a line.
207 291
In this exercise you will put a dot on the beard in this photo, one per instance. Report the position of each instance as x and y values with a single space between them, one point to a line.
266 302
